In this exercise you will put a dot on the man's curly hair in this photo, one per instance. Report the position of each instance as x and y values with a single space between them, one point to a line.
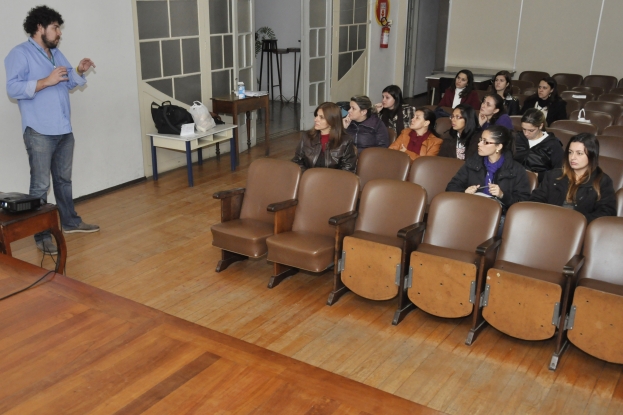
41 15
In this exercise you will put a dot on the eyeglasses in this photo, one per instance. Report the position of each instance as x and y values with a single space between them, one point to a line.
456 117
483 141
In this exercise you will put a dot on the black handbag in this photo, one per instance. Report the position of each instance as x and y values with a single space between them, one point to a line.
169 118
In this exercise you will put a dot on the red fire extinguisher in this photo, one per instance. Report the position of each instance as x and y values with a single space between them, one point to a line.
385 35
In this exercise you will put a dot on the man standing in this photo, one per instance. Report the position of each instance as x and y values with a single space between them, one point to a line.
39 77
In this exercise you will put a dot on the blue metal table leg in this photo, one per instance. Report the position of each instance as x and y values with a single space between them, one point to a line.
154 159
200 156
189 164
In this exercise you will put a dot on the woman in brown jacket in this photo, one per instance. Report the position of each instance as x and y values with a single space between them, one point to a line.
419 139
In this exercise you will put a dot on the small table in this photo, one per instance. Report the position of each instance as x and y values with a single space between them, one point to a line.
197 141
231 104
15 226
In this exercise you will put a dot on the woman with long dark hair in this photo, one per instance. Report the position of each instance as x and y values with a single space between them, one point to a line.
536 149
492 112
580 185
393 111
463 141
502 85
364 125
419 139
461 92
327 144
548 101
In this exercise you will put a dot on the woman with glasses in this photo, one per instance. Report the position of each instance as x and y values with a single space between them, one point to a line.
492 112
503 87
492 171
463 141
461 92
580 185
536 149
419 139
393 111
548 101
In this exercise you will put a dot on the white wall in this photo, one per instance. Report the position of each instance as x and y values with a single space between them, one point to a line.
105 115
284 17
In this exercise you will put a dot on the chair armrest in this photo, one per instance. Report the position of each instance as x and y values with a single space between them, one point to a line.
343 218
488 245
572 267
224 194
410 231
276 207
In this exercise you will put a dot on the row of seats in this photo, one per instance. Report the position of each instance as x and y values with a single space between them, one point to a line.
606 82
454 270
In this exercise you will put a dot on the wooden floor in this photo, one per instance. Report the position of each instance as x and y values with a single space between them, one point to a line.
155 248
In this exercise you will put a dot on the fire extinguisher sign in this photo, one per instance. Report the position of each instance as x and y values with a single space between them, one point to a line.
382 11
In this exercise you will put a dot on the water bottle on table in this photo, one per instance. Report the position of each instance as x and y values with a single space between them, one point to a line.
241 91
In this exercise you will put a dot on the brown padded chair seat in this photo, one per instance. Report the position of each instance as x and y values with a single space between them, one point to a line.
380 239
301 249
242 236
603 286
382 163
619 196
434 174
539 274
456 254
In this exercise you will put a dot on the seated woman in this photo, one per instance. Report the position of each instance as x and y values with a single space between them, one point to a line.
581 184
536 149
547 100
364 126
493 171
492 112
503 86
393 111
327 144
464 135
419 139
462 92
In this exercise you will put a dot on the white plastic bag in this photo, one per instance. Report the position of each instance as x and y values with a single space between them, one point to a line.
201 116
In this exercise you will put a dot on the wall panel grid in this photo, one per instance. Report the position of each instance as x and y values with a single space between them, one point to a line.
168 33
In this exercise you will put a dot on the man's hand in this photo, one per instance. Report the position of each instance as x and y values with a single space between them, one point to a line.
84 66
57 75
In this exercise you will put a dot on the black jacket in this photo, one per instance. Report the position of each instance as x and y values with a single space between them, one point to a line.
369 133
448 146
511 105
554 192
546 155
344 157
556 110
511 178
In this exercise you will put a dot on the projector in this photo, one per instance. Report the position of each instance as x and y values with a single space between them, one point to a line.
18 202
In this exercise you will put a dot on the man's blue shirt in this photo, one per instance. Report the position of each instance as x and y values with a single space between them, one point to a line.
47 111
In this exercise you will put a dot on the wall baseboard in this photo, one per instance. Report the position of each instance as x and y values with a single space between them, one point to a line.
109 190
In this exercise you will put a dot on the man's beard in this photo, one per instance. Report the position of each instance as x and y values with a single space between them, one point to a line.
49 44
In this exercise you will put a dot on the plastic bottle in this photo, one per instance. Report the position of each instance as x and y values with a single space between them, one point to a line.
241 90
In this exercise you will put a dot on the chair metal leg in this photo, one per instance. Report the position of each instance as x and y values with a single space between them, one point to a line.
228 258
474 331
553 363
281 273
339 289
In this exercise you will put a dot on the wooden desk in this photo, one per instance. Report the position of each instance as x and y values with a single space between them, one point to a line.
198 141
15 226
233 105
69 348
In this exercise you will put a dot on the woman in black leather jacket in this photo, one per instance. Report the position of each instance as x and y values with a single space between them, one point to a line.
536 149
580 185
327 144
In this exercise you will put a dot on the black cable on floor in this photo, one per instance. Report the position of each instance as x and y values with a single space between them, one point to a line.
26 288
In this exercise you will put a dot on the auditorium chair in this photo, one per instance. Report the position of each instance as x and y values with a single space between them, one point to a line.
528 287
443 125
245 223
459 243
596 91
599 119
309 233
606 82
616 130
613 108
433 173
595 321
619 196
561 88
581 97
481 94
610 97
533 179
563 135
619 121
620 84
392 135
617 91
532 76
516 119
610 146
382 163
574 126
572 105
569 79
530 91
522 85
613 168
375 257
521 99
